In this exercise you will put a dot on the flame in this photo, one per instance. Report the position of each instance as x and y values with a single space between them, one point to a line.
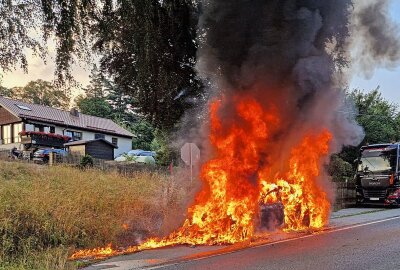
97 252
305 203
239 178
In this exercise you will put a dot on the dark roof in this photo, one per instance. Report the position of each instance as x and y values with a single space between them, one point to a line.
82 142
62 117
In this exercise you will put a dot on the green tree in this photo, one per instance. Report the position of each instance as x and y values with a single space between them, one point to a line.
377 116
380 119
161 144
152 60
144 135
123 105
94 106
339 169
95 89
4 91
42 93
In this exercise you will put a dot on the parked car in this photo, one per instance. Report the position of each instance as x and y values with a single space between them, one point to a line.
43 155
138 156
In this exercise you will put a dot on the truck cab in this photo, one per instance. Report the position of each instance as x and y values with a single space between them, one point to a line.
377 175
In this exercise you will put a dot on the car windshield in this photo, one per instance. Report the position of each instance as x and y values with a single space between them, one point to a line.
376 160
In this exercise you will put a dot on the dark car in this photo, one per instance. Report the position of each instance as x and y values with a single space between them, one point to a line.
43 155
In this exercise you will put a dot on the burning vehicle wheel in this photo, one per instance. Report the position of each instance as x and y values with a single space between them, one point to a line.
271 216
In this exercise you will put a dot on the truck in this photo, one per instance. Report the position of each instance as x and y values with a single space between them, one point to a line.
377 175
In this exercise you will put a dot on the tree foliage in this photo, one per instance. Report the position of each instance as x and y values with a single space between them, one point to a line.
39 92
18 19
94 106
153 59
378 116
103 99
380 120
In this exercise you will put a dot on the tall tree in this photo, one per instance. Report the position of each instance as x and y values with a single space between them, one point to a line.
95 106
153 59
377 116
96 88
42 93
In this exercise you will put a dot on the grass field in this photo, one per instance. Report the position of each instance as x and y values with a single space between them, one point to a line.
47 212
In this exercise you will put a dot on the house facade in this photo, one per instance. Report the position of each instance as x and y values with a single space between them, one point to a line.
24 125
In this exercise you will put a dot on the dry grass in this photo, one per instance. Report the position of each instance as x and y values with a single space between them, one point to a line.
47 212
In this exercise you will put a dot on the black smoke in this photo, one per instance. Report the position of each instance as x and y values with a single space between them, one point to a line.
375 37
292 51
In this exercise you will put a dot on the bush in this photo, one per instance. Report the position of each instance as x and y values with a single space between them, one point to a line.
165 151
86 161
340 170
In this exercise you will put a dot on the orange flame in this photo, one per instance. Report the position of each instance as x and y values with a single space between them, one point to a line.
238 179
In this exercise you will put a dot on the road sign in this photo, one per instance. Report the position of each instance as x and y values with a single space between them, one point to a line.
190 154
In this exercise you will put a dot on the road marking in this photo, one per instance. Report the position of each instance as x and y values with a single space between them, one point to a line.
277 242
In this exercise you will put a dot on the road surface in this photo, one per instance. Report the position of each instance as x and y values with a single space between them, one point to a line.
358 239
373 246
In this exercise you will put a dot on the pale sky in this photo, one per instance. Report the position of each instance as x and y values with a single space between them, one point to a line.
388 80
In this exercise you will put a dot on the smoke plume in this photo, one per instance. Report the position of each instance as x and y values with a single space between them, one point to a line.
289 53
375 38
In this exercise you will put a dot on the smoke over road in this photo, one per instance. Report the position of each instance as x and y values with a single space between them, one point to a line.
294 50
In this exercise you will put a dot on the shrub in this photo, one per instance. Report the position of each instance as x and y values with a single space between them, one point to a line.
86 161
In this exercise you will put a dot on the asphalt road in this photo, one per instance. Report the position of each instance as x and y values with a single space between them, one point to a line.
374 245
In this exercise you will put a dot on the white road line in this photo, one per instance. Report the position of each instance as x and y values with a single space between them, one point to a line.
278 242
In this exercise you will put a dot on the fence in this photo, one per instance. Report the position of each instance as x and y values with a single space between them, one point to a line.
124 168
345 195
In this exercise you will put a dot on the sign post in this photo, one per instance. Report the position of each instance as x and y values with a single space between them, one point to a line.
190 154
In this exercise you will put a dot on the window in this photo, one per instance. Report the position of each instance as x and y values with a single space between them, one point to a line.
29 127
99 136
52 130
17 128
115 141
22 107
75 135
6 134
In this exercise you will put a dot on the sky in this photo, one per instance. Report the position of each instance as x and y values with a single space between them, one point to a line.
388 80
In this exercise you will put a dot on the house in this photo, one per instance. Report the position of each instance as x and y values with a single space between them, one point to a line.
25 126
99 148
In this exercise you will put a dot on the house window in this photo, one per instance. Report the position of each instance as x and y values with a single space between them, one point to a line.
115 141
6 133
52 129
29 127
17 129
99 136
75 135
